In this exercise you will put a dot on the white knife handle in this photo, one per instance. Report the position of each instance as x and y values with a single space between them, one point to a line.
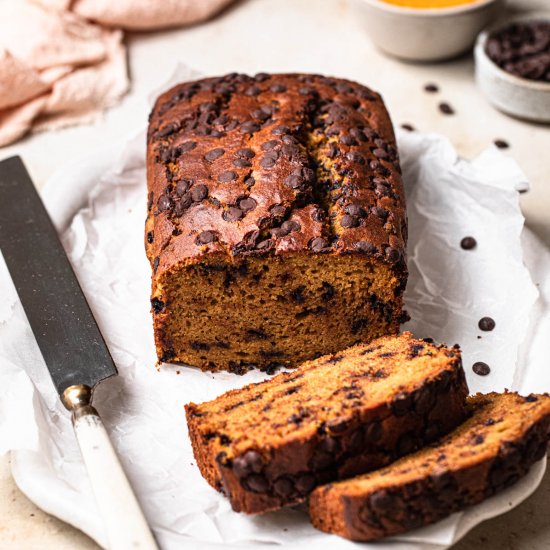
122 516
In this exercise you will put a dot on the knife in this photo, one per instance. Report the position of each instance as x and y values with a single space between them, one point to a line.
72 345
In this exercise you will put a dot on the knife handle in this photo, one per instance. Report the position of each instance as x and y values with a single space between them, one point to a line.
123 518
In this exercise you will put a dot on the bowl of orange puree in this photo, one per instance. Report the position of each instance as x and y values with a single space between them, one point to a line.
426 30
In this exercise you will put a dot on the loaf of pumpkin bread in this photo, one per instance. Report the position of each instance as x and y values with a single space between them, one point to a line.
276 222
505 435
268 445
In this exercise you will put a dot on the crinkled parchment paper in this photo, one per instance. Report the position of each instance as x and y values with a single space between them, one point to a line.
449 291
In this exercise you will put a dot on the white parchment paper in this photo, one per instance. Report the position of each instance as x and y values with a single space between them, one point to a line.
449 291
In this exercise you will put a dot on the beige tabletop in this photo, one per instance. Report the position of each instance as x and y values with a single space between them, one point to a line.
321 36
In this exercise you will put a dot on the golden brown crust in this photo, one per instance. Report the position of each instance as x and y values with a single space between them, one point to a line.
505 435
223 153
268 445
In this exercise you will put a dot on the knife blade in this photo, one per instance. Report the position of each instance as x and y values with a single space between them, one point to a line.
57 311
71 344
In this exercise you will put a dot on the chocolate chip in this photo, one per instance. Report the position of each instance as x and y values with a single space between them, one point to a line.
354 156
380 213
294 181
242 163
227 176
289 226
157 305
232 214
278 88
501 144
467 243
318 244
260 77
249 181
402 404
481 368
365 247
187 146
348 222
164 203
249 462
380 153
214 154
486 324
182 187
354 210
256 483
245 153
269 145
183 204
348 140
248 204
156 262
249 127
205 237
446 109
431 88
278 210
305 483
283 486
252 91
150 200
381 502
268 162
408 127
392 254
280 130
150 237
317 215
199 192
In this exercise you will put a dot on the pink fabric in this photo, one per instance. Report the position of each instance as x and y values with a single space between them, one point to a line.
141 14
57 68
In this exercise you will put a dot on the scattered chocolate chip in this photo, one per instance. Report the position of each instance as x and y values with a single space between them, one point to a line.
317 215
354 156
150 237
408 127
380 153
199 192
205 237
501 144
214 154
156 262
269 145
486 324
249 462
318 244
289 226
467 243
446 108
348 140
247 204
157 305
305 483
256 483
227 176
280 130
431 88
380 213
481 368
294 181
164 203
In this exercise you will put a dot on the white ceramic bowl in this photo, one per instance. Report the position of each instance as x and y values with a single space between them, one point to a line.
418 34
519 97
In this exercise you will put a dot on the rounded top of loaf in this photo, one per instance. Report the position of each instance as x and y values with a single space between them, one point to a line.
272 164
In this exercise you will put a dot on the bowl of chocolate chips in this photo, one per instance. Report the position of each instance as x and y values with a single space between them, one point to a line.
513 66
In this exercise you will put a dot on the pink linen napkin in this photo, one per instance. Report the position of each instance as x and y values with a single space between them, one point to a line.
141 14
57 68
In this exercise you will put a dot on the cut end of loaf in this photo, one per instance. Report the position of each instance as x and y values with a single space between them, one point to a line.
272 311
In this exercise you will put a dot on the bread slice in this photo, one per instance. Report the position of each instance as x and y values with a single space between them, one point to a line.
505 435
269 444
